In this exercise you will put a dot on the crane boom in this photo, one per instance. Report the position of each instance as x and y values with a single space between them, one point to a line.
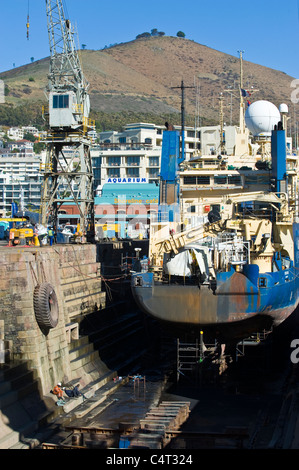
68 176
65 73
163 240
65 67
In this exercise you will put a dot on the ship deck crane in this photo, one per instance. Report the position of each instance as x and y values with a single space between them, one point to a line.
67 179
163 240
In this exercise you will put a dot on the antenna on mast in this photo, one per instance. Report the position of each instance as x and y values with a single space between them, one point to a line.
242 115
222 134
183 87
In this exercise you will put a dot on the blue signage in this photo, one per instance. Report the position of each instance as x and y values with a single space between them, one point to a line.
127 180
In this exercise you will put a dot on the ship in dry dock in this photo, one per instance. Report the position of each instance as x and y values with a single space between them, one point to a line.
235 272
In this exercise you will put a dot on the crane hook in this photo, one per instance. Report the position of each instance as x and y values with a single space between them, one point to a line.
27 24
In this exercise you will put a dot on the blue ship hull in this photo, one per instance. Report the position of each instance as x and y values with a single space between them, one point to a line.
237 300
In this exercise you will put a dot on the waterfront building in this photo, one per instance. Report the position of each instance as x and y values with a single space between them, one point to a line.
17 133
136 152
20 178
133 153
25 147
121 210
125 209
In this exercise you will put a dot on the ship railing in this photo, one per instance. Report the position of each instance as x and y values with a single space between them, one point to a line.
253 340
257 213
236 250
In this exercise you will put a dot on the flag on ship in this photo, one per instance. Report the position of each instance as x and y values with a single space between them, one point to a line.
245 92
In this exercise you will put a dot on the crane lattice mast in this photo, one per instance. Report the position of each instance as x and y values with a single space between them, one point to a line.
68 176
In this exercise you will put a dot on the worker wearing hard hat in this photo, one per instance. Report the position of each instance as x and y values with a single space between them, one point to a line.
57 390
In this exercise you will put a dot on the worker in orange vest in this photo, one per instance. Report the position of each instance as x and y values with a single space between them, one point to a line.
58 391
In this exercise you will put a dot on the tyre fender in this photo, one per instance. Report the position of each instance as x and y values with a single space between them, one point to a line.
45 306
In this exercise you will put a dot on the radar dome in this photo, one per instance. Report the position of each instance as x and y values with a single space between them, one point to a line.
283 108
261 117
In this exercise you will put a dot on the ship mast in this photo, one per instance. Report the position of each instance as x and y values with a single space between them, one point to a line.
222 138
182 88
242 115
242 137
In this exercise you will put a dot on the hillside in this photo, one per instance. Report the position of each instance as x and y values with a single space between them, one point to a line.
139 77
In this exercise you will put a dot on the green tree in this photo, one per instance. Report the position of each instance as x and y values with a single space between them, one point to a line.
38 147
29 136
143 35
180 34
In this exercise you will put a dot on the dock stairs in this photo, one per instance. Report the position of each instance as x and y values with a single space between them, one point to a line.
97 357
22 410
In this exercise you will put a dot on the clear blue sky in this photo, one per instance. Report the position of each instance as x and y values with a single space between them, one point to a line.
267 30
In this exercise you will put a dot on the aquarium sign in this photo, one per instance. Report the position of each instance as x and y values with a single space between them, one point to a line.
127 180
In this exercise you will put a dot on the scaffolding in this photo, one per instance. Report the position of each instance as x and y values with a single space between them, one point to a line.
190 355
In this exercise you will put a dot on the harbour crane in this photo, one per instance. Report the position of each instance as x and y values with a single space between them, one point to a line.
68 175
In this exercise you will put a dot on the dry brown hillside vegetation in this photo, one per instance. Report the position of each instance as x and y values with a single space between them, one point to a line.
142 76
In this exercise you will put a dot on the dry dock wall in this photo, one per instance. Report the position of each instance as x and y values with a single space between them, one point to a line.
74 273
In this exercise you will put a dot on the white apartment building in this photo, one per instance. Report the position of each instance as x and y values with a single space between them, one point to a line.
23 146
133 153
20 176
15 133
31 130
136 152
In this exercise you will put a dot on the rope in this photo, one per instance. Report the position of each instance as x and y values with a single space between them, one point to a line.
92 277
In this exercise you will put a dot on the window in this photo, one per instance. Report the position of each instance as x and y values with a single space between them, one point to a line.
220 179
153 161
153 172
60 101
256 179
114 161
133 172
227 179
133 161
204 179
113 172
262 282
189 179
234 179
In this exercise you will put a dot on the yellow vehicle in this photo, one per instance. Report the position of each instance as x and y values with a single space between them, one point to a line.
21 236
110 230
13 219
